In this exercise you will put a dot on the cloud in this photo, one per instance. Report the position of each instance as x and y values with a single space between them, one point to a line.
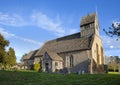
114 46
43 21
5 33
12 20
29 40
110 42
9 35
112 52
37 19
111 45
71 31
51 24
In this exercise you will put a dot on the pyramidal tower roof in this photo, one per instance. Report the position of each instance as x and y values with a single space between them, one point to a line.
88 19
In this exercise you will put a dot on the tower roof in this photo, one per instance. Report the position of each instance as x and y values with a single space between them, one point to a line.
87 19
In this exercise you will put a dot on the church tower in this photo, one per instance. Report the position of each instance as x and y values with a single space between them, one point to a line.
89 25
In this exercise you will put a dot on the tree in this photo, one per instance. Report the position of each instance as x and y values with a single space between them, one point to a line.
113 63
117 59
114 30
3 44
6 57
11 57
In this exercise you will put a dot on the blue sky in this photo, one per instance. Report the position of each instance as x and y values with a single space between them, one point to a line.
27 24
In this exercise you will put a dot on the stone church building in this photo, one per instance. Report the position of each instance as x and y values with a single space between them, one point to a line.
82 51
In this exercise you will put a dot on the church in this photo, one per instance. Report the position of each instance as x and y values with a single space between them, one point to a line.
82 51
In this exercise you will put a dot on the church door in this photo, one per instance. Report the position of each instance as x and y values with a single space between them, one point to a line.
47 67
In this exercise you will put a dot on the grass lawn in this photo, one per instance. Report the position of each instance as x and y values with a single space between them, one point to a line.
35 78
113 73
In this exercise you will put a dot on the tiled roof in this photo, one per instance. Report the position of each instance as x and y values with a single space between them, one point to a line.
87 19
30 55
65 44
54 56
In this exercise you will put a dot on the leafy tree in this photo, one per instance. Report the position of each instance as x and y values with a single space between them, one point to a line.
3 44
11 57
117 59
113 63
114 30
36 66
6 58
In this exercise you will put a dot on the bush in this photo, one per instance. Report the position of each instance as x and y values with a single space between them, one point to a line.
36 66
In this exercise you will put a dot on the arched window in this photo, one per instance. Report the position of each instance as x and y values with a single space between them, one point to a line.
66 61
71 61
97 54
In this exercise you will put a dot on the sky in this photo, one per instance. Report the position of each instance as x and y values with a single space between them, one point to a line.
28 24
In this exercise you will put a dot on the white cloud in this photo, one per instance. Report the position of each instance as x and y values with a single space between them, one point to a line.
71 31
44 22
38 19
113 52
29 40
110 42
5 33
12 20
111 46
8 35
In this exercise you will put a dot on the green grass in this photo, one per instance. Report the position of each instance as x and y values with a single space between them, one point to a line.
35 78
113 73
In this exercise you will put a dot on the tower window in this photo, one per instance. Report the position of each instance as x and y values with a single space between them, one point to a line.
87 26
92 25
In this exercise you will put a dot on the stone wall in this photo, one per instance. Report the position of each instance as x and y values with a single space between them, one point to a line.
80 60
57 65
97 58
97 50
53 65
28 64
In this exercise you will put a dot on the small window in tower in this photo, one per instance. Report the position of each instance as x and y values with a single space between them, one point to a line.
92 25
87 26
